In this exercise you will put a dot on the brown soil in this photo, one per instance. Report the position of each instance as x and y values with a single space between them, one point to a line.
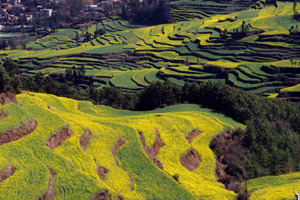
103 195
192 135
3 114
153 150
49 194
101 171
7 172
119 197
229 160
8 97
131 183
84 139
88 2
117 146
59 137
18 132
190 159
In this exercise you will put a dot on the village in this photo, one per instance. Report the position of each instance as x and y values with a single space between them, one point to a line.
14 14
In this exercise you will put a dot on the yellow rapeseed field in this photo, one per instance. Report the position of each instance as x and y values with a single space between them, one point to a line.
130 172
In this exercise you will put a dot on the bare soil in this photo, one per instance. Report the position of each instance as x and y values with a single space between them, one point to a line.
190 160
3 114
103 195
117 146
18 132
131 183
230 153
49 194
153 150
59 137
192 135
7 172
101 171
8 97
84 139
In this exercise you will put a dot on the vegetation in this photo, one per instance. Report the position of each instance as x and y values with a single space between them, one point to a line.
213 54
147 11
8 78
267 119
106 126
242 49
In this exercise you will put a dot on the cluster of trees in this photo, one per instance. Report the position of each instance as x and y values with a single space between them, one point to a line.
9 79
46 84
240 33
13 43
75 75
148 12
294 30
237 33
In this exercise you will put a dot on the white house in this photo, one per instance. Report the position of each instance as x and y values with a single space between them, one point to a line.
89 7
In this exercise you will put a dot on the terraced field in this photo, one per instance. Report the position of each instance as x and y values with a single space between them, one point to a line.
189 49
274 187
76 150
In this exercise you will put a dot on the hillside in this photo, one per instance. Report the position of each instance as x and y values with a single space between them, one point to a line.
256 49
75 150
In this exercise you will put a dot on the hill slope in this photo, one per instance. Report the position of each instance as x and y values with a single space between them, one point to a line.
76 150
265 57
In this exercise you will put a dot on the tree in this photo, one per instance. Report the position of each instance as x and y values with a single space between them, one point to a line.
4 79
68 73
147 12
224 34
99 32
10 67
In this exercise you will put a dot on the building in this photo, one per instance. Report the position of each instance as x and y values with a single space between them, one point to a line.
14 1
45 12
89 7
18 8
6 6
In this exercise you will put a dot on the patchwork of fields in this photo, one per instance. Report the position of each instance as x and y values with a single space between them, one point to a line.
130 57
77 150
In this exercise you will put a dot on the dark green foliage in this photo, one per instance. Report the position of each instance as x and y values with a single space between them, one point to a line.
159 94
99 32
10 67
8 78
4 79
240 33
147 11
77 76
